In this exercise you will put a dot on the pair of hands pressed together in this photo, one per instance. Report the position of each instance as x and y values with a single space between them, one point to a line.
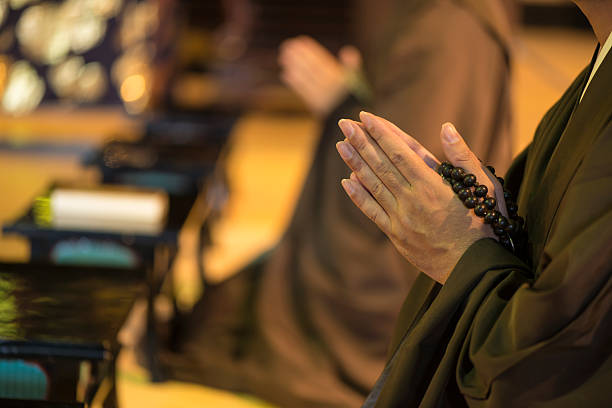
316 75
395 184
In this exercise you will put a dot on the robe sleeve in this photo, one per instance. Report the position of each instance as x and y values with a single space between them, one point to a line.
548 340
503 334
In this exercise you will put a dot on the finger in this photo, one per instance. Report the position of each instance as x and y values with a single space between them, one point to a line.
410 165
366 176
294 51
316 50
428 157
460 155
290 50
291 59
309 59
350 57
375 158
458 152
312 53
364 201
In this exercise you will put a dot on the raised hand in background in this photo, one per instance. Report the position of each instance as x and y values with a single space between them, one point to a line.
316 75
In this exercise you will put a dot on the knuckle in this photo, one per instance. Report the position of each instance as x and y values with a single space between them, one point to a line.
377 189
398 159
356 164
382 170
463 156
374 216
378 219
391 179
359 143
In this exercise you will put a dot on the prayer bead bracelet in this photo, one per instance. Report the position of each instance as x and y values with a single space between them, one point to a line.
474 196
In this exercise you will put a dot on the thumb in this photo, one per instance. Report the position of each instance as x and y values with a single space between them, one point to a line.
460 155
350 57
457 151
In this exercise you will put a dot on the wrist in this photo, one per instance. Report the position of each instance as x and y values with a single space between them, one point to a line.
358 86
457 252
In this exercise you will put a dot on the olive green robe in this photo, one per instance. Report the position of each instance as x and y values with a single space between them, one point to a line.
533 330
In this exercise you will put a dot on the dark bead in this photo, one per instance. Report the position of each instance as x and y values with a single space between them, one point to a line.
464 193
505 241
470 202
490 202
458 173
491 169
501 222
519 220
457 186
469 180
490 216
480 210
512 208
507 195
499 231
501 180
448 180
481 191
512 227
445 168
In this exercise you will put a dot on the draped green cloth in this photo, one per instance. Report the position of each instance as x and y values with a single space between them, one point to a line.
533 330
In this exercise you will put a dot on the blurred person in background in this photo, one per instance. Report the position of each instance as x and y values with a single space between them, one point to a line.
309 323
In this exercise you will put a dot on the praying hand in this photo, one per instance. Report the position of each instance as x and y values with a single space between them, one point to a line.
394 182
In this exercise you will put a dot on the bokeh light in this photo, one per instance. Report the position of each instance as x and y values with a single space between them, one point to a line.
24 89
133 88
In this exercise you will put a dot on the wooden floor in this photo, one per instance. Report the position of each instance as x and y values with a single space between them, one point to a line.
267 164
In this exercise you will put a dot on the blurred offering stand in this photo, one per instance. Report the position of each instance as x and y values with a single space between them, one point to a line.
58 332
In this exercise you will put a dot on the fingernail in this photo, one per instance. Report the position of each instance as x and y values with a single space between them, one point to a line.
449 133
367 119
344 150
347 185
346 127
